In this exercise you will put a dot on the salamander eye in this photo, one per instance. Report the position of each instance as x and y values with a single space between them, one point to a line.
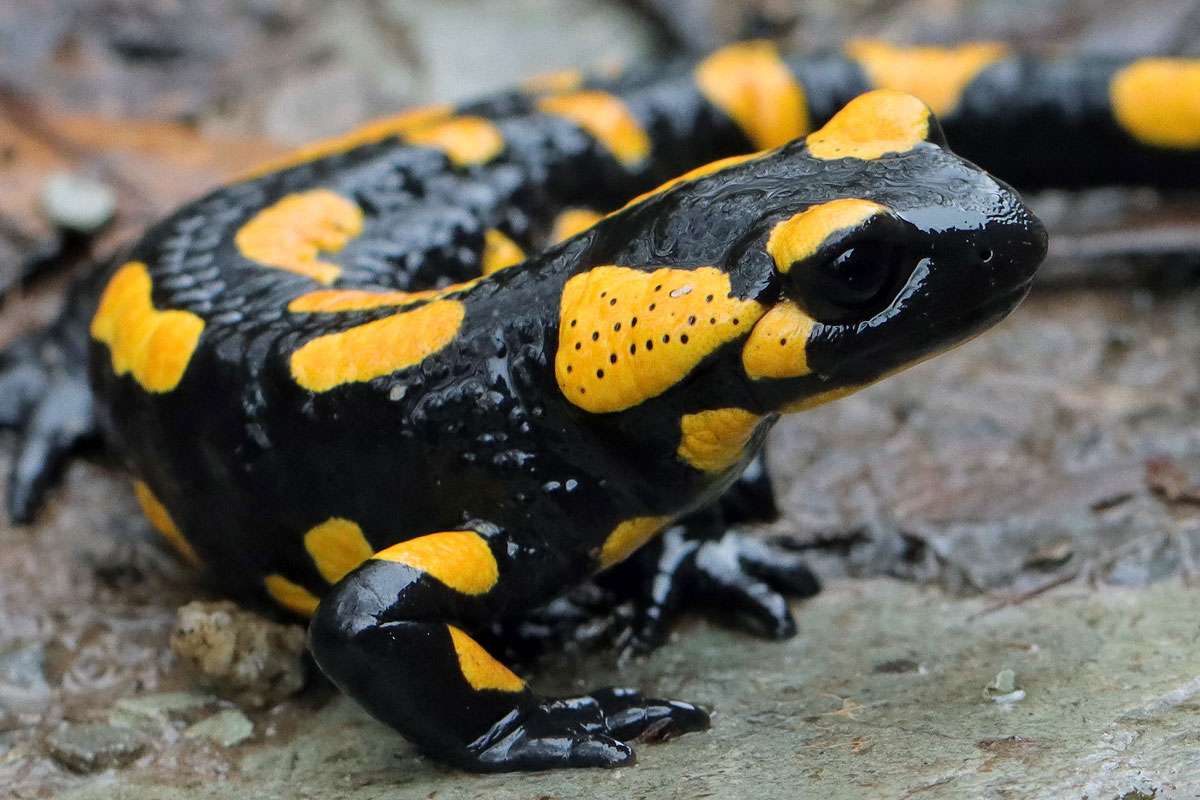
854 283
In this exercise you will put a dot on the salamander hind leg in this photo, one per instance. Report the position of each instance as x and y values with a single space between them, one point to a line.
702 563
45 395
394 635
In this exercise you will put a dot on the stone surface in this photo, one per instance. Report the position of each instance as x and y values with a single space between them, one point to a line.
1113 682
93 747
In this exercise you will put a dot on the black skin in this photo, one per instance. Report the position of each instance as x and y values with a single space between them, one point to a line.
479 437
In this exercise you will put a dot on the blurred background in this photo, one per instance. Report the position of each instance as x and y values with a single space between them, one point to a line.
1027 503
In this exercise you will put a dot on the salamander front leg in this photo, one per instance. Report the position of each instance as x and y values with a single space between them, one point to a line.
392 635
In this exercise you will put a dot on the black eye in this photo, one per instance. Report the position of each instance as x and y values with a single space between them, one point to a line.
854 283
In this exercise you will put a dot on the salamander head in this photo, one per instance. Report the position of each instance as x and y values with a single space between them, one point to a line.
871 246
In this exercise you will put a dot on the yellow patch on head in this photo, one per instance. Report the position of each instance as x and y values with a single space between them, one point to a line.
937 75
479 667
333 300
571 222
154 346
628 537
777 347
466 141
692 174
802 234
870 125
460 559
1157 100
292 596
562 80
499 252
715 440
626 335
292 233
337 546
606 118
160 520
755 88
371 133
377 348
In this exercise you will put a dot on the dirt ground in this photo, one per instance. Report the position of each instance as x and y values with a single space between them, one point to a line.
1010 534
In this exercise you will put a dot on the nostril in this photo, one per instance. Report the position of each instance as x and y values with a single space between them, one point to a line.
985 255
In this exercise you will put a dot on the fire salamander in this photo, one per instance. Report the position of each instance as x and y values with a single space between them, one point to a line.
424 378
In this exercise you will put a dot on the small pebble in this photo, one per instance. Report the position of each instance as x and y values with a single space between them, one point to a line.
93 747
1003 688
78 203
238 654
226 728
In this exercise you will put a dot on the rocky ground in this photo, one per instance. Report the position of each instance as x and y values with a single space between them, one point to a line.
1010 534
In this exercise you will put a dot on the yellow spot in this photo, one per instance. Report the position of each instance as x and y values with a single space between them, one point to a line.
690 175
755 88
606 118
777 347
801 235
155 346
332 300
292 233
292 596
571 222
376 348
160 520
937 75
1158 101
714 440
466 141
557 81
336 546
499 252
478 666
821 398
460 559
628 537
626 335
371 133
878 122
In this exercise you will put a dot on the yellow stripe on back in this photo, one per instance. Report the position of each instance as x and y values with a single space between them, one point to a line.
752 84
606 118
466 141
371 133
337 546
154 346
290 595
160 519
377 348
937 75
292 233
460 559
1157 100
499 252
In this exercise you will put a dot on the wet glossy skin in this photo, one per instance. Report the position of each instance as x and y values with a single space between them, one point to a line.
421 471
